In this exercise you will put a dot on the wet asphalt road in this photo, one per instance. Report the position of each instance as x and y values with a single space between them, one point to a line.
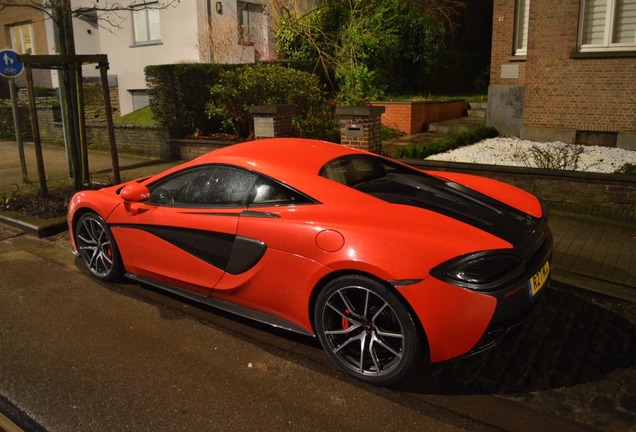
78 355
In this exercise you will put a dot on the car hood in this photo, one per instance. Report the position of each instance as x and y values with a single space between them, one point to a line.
455 201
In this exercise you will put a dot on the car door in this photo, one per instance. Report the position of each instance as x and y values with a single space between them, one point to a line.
184 234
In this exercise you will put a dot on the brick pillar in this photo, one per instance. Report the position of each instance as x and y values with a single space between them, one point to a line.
360 127
272 120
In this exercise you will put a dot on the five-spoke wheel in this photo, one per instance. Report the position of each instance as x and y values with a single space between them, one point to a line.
366 330
97 247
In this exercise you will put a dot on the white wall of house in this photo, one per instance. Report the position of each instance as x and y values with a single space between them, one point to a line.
190 31
177 42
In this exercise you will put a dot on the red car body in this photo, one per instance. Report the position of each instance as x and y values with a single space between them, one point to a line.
275 258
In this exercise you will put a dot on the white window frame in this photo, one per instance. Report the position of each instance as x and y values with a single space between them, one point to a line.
245 27
608 30
139 98
143 17
522 14
20 46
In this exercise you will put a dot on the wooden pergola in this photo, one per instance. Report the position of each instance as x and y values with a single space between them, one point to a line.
71 62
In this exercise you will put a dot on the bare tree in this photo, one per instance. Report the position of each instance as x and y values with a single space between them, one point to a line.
446 12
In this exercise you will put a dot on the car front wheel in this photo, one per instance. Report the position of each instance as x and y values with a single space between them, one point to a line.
97 248
366 330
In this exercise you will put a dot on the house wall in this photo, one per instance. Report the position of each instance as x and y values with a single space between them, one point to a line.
19 15
553 93
507 73
565 93
179 39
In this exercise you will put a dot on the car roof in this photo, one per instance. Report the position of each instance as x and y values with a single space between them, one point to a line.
276 155
293 161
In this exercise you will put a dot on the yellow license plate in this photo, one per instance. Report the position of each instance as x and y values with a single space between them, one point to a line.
539 280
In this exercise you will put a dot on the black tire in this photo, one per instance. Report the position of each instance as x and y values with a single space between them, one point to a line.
97 247
366 330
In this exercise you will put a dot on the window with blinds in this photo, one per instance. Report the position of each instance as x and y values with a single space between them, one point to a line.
608 25
521 27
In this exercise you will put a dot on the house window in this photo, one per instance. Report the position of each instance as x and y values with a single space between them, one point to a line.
250 22
146 24
521 27
22 38
140 99
608 25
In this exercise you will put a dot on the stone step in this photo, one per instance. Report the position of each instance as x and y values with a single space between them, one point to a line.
478 105
456 125
478 113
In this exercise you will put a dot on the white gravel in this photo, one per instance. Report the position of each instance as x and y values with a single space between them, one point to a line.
517 152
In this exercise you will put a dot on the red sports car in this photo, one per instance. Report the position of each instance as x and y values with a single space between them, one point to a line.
386 264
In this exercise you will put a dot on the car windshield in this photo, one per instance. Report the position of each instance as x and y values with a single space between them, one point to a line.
355 170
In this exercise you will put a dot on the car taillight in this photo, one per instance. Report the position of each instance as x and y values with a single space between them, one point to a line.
482 271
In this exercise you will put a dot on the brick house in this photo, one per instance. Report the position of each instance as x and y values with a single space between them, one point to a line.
25 31
564 70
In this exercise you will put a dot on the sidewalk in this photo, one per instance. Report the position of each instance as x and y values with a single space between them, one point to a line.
594 254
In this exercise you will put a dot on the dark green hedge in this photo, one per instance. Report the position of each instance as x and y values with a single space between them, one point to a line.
179 93
268 84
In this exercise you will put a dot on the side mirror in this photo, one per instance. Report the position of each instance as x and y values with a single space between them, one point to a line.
135 192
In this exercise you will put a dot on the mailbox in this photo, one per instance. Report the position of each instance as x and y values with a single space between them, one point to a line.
264 127
354 130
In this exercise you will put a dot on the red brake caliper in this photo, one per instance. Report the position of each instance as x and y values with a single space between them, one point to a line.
345 323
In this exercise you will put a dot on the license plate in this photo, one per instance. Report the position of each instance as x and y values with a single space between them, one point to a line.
539 280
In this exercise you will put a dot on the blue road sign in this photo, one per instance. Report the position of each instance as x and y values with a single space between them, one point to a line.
10 67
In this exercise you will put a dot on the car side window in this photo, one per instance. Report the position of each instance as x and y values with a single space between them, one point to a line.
268 192
207 186
354 170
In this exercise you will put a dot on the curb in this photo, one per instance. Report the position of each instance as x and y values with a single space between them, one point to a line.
42 229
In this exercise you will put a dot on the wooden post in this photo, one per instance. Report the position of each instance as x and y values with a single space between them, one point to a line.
82 124
37 143
103 70
18 130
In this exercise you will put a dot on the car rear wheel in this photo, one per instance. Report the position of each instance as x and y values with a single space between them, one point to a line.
366 330
97 248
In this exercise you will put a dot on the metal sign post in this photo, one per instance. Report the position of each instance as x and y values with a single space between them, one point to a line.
10 68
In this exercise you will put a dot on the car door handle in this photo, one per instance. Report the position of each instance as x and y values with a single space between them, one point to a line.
258 214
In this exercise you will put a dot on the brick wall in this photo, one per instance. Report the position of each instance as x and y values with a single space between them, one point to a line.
188 149
6 121
503 28
148 141
414 117
596 94
609 196
366 121
558 91
94 103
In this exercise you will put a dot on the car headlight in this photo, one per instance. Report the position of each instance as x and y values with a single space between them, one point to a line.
481 271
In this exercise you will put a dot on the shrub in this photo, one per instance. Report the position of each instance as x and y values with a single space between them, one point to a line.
443 144
370 47
265 84
179 94
563 157
627 169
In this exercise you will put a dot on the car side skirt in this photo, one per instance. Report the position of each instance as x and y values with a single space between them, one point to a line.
223 305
